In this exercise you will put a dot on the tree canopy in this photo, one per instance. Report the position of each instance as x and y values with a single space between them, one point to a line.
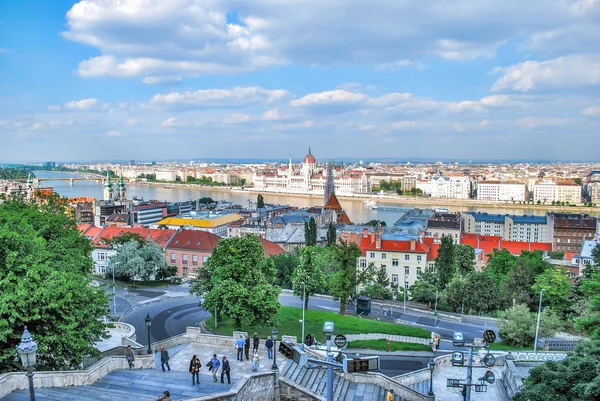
331 234
239 282
285 263
464 259
517 325
260 202
310 272
45 275
343 283
444 262
140 261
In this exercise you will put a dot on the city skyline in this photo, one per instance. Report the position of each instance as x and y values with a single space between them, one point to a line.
107 80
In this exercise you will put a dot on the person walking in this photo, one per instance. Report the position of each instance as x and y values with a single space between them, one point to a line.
239 345
255 342
390 395
195 366
164 359
215 364
225 370
129 354
255 361
166 396
247 348
269 347
437 343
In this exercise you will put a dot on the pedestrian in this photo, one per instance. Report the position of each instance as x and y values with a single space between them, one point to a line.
255 342
195 366
129 354
164 359
239 345
166 396
225 370
437 343
255 361
214 366
247 348
390 395
269 347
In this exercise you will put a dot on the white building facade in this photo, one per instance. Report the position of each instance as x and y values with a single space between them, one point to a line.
548 191
501 191
443 186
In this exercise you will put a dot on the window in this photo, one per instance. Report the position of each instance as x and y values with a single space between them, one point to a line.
383 256
406 270
395 279
406 257
204 259
372 255
384 267
172 257
184 258
419 258
394 262
185 271
363 263
195 260
102 256
419 271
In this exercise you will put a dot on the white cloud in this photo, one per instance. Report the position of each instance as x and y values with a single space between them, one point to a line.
271 115
542 122
211 98
53 108
164 80
192 37
334 97
593 111
85 104
236 118
570 71
113 133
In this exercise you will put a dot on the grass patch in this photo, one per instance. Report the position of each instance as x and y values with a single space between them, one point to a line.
500 346
381 345
288 323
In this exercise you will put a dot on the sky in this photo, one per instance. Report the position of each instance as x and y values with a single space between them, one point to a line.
190 79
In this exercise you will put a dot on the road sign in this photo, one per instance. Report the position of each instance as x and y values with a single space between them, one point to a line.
489 336
340 341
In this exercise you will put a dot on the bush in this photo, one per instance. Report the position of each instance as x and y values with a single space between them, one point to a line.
517 325
377 291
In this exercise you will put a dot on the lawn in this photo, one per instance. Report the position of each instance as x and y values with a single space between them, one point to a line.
381 345
288 323
500 346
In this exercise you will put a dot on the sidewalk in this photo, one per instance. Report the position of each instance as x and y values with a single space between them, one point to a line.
379 336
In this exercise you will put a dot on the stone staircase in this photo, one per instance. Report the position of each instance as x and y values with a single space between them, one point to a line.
126 385
421 387
315 380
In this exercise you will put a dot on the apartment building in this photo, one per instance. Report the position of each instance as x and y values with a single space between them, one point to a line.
508 227
571 231
444 186
594 192
501 191
548 192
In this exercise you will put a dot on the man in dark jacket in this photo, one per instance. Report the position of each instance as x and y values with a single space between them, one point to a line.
225 370
269 347
247 348
130 356
164 359
255 342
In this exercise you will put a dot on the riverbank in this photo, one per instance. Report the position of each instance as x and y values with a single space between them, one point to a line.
391 199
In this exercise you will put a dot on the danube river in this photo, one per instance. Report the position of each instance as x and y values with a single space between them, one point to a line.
357 211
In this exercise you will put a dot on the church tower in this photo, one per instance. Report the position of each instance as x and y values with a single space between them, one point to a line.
121 193
108 190
329 183
30 186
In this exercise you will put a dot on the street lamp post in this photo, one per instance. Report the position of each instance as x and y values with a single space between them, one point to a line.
274 333
431 367
405 292
148 321
27 349
303 309
537 326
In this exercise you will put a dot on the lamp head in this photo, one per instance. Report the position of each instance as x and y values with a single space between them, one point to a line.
148 320
27 349
274 332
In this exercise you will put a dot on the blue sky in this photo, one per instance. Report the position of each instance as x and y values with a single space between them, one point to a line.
143 79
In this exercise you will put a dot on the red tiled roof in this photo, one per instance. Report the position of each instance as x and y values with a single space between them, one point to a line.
161 237
398 246
88 230
196 240
271 248
489 243
83 227
333 203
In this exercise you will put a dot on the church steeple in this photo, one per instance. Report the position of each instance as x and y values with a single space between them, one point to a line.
121 188
108 191
29 181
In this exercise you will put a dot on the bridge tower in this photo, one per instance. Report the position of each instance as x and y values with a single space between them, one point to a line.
121 192
108 190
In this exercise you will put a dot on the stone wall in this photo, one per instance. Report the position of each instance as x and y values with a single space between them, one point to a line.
10 382
290 391
511 381
383 381
258 387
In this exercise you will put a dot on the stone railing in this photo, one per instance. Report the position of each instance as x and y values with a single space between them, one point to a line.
127 328
290 391
530 356
421 375
257 387
378 379
511 381
10 382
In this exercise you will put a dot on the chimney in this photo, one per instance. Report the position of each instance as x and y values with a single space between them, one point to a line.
365 232
378 243
413 244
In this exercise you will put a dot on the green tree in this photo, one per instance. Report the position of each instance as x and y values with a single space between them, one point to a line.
343 283
125 237
45 276
240 282
134 260
500 263
517 325
596 255
557 255
464 259
516 288
455 292
206 200
375 223
309 272
557 285
444 262
590 287
260 202
331 235
377 291
310 232
576 378
482 292
425 288
381 277
285 263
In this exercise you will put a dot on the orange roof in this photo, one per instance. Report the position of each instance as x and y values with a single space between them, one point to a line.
333 203
161 237
489 243
88 230
196 240
398 246
271 248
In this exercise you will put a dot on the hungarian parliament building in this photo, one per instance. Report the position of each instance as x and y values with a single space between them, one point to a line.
307 178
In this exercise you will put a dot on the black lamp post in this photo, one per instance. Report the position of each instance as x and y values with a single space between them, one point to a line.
431 367
274 333
27 349
148 321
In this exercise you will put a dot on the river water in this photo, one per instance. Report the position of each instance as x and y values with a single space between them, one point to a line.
357 211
